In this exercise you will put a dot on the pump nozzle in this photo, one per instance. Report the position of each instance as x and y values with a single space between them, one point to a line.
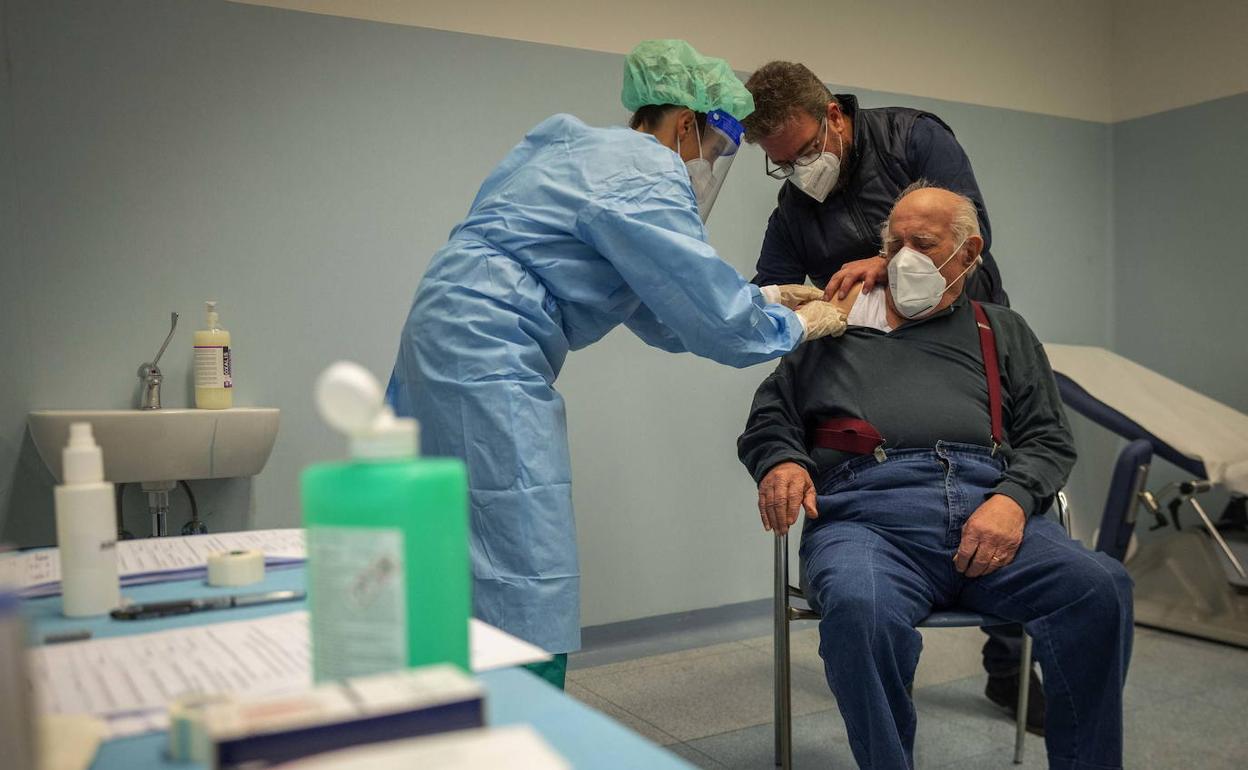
82 462
80 435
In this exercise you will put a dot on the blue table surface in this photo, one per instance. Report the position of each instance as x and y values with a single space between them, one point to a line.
586 738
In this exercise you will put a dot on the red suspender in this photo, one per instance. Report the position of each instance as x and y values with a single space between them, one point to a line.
860 437
988 346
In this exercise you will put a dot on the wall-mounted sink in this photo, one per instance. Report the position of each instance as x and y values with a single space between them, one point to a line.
172 444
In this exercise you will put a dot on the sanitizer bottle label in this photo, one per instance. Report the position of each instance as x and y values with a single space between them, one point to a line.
212 367
357 591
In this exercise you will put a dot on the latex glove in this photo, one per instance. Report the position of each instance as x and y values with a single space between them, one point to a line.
791 295
821 319
990 537
871 271
785 490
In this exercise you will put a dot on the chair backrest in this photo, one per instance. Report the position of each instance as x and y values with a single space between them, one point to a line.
1128 481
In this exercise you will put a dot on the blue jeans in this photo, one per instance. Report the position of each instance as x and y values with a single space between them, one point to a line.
879 559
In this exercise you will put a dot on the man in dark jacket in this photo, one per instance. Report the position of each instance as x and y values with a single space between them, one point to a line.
925 445
844 167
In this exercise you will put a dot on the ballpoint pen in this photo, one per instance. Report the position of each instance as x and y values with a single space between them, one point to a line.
184 606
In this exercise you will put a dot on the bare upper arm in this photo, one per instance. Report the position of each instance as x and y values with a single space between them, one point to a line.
851 297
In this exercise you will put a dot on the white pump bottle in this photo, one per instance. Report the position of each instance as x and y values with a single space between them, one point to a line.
86 529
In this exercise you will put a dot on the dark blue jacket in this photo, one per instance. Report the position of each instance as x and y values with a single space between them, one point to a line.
893 147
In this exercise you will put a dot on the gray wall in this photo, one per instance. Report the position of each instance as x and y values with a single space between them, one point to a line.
1180 270
301 170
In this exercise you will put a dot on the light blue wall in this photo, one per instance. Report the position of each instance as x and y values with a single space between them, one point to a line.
15 470
1180 270
301 170
1180 201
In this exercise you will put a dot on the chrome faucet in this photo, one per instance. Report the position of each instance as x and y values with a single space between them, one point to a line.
149 373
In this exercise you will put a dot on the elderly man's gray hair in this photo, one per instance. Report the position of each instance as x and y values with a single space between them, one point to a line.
965 217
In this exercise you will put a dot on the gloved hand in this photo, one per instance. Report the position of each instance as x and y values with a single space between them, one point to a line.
791 295
821 319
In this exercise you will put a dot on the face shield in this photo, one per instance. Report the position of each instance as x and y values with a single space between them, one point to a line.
719 145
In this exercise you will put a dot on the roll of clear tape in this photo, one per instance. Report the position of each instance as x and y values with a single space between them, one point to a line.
235 568
188 740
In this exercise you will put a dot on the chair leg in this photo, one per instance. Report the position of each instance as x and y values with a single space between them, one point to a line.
1024 686
783 711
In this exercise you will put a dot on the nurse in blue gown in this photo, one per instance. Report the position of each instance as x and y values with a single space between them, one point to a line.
579 229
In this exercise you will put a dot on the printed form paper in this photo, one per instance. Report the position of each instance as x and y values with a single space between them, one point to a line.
126 675
129 680
38 573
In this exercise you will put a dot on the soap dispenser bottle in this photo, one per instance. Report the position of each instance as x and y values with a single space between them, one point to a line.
389 582
214 380
86 529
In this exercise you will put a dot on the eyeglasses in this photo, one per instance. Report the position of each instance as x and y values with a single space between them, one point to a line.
785 170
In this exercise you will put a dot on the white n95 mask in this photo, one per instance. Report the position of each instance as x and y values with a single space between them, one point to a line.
818 178
915 282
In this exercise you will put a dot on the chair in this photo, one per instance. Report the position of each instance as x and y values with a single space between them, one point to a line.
1127 492
785 613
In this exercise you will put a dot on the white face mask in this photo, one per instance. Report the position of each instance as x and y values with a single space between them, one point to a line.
915 282
701 177
817 179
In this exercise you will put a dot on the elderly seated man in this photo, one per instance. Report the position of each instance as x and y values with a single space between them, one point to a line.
917 499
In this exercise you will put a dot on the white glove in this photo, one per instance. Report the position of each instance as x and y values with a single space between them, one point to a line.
791 295
821 319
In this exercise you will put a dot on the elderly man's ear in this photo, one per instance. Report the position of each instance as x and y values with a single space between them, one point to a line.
974 246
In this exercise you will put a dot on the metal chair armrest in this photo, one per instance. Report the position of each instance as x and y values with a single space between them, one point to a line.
1063 511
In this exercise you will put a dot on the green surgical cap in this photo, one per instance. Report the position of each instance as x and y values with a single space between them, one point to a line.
671 72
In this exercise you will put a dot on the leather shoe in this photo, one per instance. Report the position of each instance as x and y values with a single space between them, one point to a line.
1003 691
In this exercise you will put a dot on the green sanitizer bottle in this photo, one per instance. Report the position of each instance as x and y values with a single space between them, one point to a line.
388 573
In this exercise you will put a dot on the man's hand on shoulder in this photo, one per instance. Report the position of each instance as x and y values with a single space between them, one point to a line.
868 272
990 537
786 489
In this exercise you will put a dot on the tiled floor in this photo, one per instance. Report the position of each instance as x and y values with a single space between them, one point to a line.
1186 703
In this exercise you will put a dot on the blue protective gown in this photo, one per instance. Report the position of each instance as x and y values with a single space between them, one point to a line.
579 229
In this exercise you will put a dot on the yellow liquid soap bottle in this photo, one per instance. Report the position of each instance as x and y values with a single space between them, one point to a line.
214 380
